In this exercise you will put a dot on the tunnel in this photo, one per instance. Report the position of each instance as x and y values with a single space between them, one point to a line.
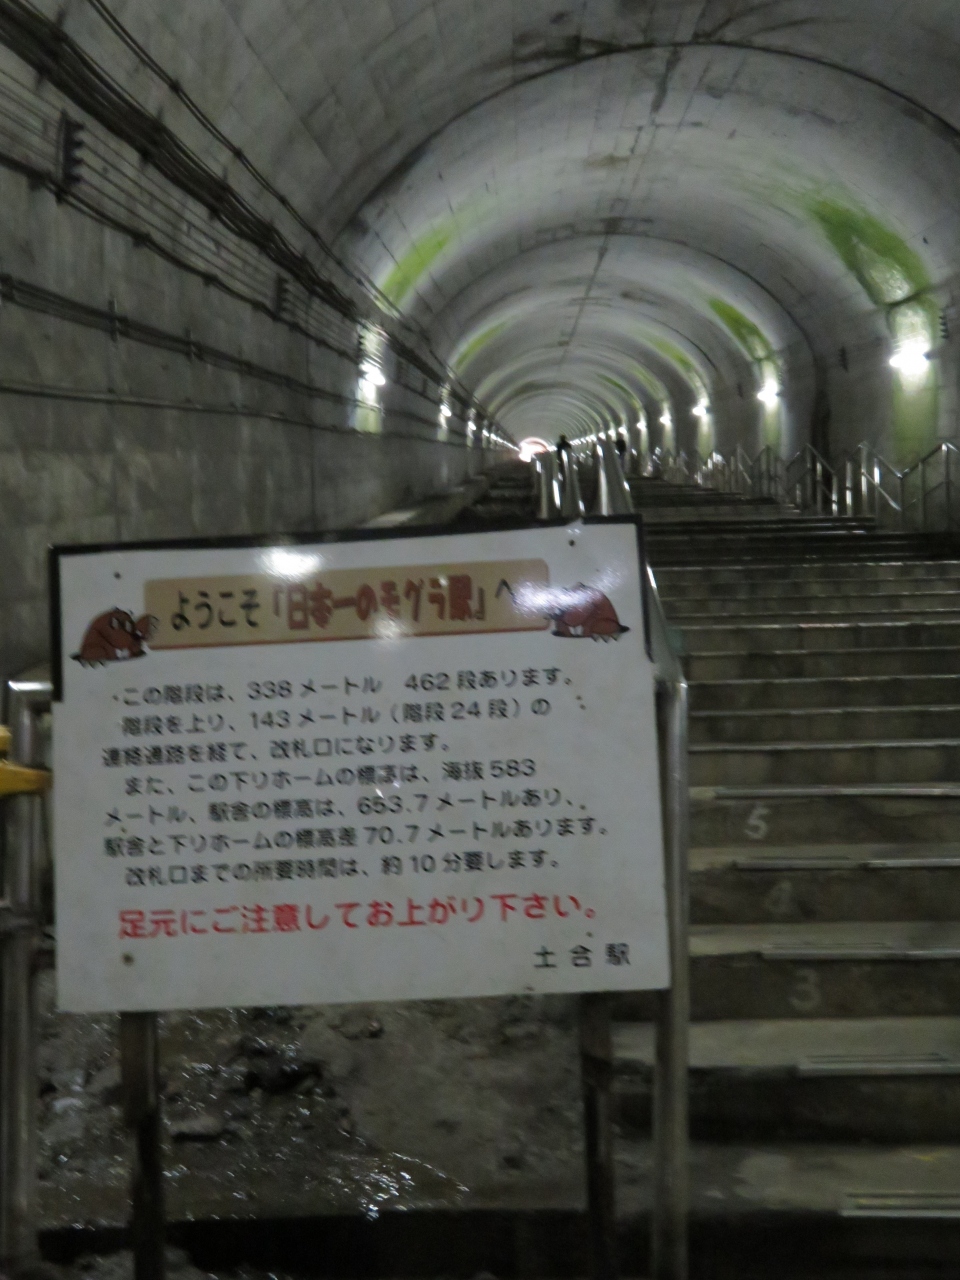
295 270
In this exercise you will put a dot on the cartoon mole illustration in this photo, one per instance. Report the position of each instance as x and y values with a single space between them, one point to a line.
584 611
113 636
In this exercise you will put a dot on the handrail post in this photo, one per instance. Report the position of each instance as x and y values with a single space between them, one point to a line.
864 483
548 486
26 697
946 486
876 490
671 1137
613 495
923 494
571 501
596 1070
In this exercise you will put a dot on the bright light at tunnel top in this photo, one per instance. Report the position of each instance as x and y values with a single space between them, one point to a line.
911 360
701 410
532 445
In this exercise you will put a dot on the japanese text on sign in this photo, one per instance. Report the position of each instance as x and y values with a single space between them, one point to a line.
414 600
460 798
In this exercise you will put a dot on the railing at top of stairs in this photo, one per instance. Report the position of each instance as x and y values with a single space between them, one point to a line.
922 497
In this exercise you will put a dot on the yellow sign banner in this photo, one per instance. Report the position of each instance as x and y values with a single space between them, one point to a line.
348 604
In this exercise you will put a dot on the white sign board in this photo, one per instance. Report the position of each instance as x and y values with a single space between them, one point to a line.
380 769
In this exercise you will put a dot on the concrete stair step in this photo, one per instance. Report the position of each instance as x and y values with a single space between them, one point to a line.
815 692
800 593
827 662
789 817
779 557
765 637
939 607
860 1079
766 763
765 540
762 535
716 545
814 1210
815 1047
862 969
664 513
766 524
872 855
835 724
757 571
815 942
825 883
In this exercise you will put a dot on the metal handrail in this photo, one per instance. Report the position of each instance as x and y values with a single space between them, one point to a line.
548 485
861 483
945 451
813 482
613 496
571 499
864 487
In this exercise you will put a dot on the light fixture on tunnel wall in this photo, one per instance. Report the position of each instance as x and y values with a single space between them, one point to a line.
369 416
769 394
701 410
914 326
666 421
446 413
911 360
371 379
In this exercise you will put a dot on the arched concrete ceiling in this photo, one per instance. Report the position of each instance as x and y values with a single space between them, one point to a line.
724 187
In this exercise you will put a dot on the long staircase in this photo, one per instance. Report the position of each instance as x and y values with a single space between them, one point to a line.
824 665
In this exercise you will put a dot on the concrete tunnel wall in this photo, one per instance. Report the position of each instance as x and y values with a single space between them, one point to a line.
107 436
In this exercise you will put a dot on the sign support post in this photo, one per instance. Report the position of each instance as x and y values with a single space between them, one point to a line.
139 1069
670 1096
596 1065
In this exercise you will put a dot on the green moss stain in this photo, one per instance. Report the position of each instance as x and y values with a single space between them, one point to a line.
477 343
751 339
743 330
622 388
895 278
883 263
418 259
670 351
915 415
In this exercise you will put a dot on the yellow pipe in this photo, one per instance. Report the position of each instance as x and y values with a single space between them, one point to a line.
17 779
